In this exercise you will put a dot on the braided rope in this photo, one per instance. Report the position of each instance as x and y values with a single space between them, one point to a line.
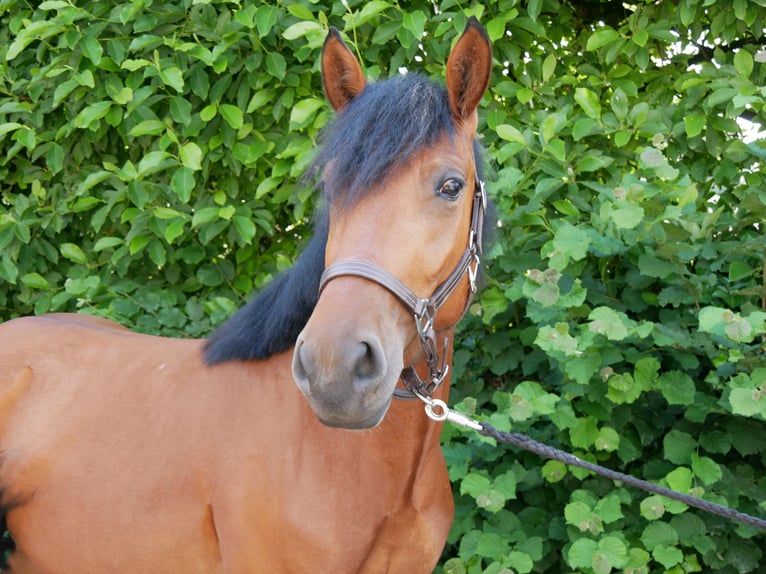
527 443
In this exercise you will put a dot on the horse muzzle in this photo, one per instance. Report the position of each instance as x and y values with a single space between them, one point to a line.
348 378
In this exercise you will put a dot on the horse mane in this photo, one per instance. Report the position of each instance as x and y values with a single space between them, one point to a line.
272 321
377 132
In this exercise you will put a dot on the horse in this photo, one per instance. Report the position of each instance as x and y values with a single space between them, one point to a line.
275 445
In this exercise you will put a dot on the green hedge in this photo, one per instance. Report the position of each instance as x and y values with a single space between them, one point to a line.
152 152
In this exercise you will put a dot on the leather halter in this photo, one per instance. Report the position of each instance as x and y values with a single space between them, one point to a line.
424 310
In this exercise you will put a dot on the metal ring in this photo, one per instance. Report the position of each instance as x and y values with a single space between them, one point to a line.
441 405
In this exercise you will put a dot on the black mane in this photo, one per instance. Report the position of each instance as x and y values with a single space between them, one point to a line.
378 132
371 138
271 323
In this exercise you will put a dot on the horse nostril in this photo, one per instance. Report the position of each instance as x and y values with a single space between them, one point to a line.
369 362
300 374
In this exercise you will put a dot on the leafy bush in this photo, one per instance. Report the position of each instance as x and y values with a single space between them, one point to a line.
152 154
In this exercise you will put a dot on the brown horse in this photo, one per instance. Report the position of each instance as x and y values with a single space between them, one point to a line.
123 452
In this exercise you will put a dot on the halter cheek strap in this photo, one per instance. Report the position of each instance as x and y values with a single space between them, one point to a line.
424 310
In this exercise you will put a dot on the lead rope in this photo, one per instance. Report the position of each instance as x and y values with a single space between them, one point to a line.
437 410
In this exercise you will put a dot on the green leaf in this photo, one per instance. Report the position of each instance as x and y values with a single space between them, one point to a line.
73 253
232 115
581 552
748 402
300 11
8 269
678 447
557 339
148 127
511 134
245 229
92 113
53 5
608 322
614 551
165 213
668 556
584 127
657 534
108 243
82 287
180 110
265 19
549 66
601 38
492 546
677 387
190 155
33 31
626 215
474 484
619 103
554 471
706 469
533 8
136 244
304 111
569 243
173 77
183 182
9 127
588 101
208 112
276 65
174 230
739 270
739 329
584 433
369 11
680 479
491 501
687 9
653 507
520 562
743 62
92 49
301 29
35 281
607 440
204 215
640 38
653 266
694 124
152 162
578 514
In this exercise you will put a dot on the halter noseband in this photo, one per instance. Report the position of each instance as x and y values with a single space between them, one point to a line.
424 310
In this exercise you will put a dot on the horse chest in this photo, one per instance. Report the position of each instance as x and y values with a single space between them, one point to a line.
342 508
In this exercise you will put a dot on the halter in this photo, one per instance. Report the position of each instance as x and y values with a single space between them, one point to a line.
424 310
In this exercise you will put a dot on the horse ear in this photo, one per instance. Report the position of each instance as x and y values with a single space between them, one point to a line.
469 67
341 73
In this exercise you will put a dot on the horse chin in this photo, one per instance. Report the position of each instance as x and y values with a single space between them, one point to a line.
349 404
368 421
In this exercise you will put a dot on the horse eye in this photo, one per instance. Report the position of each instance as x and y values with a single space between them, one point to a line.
451 188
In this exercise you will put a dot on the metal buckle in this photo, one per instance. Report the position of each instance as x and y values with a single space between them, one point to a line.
473 271
424 318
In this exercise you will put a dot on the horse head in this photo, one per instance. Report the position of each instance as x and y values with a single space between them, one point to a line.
405 202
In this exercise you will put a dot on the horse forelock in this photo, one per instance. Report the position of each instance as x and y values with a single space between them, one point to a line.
377 133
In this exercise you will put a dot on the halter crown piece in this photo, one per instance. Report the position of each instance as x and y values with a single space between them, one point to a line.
424 310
